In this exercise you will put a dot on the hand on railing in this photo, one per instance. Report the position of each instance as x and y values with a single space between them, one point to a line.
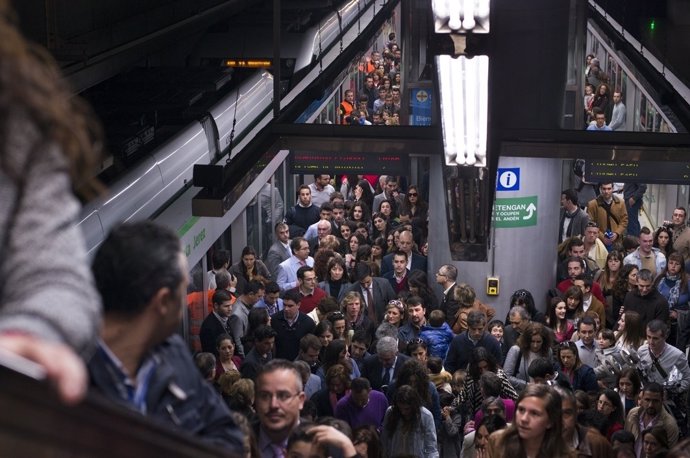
56 362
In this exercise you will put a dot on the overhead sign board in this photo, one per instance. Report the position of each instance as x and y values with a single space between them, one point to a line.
515 212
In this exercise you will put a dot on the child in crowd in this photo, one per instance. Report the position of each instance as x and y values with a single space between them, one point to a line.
437 334
438 375
496 329
450 434
606 341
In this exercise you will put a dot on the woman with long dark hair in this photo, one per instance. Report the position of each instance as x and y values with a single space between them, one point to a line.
336 277
674 285
581 376
627 281
557 320
631 331
629 385
415 374
536 430
408 427
533 343
418 285
610 406
609 274
362 193
663 240
417 207
249 268
483 361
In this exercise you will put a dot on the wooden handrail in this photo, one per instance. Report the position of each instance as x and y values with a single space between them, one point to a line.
34 423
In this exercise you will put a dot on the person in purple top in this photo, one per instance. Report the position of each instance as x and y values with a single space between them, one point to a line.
362 406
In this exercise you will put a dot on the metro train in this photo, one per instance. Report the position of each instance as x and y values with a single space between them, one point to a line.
165 173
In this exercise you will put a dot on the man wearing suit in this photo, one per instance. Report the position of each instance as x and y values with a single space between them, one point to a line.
324 229
217 322
376 292
383 368
447 276
414 260
280 250
398 276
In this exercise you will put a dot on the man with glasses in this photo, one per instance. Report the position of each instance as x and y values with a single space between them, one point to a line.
447 276
279 397
647 300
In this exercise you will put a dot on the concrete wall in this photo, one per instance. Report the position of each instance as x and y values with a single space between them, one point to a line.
523 257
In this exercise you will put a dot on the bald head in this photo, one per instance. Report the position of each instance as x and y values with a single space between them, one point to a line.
406 241
323 228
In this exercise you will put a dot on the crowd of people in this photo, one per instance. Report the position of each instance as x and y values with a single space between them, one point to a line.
334 342
604 108
377 102
343 294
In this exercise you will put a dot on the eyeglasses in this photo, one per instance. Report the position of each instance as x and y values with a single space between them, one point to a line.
592 224
412 194
416 341
567 344
283 397
335 316
440 274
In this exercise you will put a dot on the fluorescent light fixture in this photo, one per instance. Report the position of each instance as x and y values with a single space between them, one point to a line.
464 91
461 16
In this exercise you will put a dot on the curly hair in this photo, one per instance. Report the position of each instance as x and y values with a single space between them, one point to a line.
31 79
413 368
409 396
525 339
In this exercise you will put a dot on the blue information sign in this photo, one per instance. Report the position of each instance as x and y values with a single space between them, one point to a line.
420 107
508 179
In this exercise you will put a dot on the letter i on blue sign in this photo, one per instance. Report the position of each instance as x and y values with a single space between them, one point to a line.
508 179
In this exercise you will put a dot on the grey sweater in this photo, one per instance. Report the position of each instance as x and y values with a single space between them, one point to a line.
46 287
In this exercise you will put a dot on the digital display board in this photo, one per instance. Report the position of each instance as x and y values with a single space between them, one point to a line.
312 162
637 171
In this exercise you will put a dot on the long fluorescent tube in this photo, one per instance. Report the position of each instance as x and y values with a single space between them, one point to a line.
464 97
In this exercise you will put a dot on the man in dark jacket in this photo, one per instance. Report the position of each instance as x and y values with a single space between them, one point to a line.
462 345
290 326
646 300
142 275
